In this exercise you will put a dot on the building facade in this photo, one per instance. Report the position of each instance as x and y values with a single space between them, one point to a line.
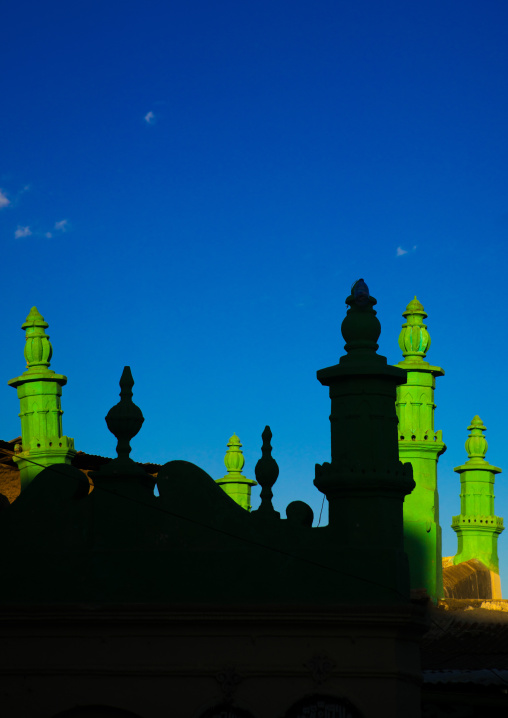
186 604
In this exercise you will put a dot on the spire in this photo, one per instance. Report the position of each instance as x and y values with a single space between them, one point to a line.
234 484
477 527
414 339
124 421
267 471
39 390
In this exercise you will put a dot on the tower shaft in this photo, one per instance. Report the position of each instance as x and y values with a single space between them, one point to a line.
365 483
421 446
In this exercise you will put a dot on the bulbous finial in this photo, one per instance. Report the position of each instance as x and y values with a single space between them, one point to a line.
234 484
414 339
267 471
125 419
476 443
234 459
38 349
361 327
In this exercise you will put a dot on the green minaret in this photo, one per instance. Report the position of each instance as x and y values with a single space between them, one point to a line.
476 526
420 445
235 485
39 391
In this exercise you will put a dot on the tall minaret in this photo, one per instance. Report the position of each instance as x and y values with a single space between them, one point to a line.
365 483
421 446
477 527
39 391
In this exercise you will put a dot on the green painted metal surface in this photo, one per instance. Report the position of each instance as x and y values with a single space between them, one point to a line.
477 527
237 486
39 391
420 445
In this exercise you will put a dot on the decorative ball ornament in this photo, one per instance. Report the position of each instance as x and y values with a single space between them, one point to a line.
125 419
267 471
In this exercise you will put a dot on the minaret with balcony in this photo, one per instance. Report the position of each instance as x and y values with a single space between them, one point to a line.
39 391
421 446
477 527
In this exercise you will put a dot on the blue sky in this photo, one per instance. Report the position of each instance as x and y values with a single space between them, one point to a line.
192 188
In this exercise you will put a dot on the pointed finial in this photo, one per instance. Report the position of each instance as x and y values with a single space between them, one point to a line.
361 327
414 339
267 472
38 349
125 419
476 443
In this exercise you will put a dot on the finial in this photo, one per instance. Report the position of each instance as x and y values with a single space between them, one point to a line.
234 484
476 443
125 419
267 472
414 339
38 349
234 459
361 327
359 293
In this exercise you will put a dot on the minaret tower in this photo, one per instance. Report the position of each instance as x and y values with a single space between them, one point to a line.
477 527
421 446
39 391
365 483
234 484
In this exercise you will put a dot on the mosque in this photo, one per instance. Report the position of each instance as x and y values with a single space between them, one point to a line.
118 602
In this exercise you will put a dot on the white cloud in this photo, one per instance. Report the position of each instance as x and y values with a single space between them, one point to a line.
401 251
150 118
22 232
48 235
4 202
62 225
